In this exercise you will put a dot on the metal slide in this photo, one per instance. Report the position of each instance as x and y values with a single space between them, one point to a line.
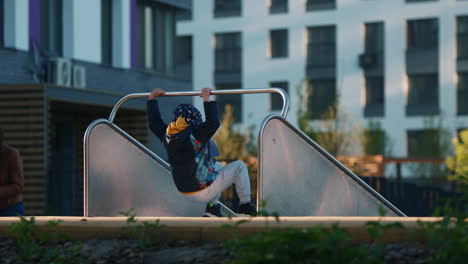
296 176
299 178
123 174
120 173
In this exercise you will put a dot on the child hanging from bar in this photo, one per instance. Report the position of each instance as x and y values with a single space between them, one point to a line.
191 153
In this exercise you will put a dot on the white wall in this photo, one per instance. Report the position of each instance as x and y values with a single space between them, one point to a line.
349 17
16 28
121 33
82 30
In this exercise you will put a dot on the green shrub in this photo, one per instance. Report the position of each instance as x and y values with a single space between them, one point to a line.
36 246
146 233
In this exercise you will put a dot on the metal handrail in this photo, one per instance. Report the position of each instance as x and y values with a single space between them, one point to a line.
284 95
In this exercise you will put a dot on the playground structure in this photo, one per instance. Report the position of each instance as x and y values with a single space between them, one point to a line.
296 177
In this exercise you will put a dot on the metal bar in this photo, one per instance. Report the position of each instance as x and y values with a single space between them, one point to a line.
284 95
227 210
327 155
133 141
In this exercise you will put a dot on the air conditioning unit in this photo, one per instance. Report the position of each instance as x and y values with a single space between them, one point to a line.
79 76
367 60
59 71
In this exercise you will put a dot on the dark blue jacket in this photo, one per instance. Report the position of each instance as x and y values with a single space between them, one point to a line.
179 147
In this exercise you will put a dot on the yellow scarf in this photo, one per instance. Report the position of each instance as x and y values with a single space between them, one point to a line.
176 127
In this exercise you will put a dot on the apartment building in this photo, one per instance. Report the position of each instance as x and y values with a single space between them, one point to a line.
395 63
65 63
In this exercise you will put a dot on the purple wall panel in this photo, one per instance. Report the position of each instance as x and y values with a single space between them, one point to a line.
34 23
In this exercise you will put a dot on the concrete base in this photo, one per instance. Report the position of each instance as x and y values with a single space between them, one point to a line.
211 229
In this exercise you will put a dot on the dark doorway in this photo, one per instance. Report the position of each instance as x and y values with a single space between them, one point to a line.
63 165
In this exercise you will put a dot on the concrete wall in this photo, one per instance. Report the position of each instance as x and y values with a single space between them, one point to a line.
16 27
258 70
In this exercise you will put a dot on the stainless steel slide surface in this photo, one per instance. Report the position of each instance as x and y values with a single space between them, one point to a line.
299 178
120 174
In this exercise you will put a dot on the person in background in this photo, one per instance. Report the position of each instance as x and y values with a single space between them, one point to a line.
11 180
191 153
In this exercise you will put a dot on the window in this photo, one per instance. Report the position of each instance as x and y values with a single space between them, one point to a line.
2 24
321 46
312 5
279 43
156 37
184 57
374 90
227 8
322 97
374 143
423 97
462 94
51 27
374 37
278 6
234 100
276 101
184 50
185 14
462 37
422 34
228 52
423 143
106 32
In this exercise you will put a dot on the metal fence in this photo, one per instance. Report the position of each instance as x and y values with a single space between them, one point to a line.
412 198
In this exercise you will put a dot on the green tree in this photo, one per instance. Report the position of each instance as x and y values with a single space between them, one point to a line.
435 138
304 116
335 131
376 141
458 164
231 144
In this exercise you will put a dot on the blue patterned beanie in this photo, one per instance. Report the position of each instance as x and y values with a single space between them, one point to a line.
189 112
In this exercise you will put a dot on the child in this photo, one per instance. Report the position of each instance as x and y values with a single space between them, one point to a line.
191 154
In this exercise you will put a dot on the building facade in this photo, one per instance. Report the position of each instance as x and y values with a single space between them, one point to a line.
65 63
398 63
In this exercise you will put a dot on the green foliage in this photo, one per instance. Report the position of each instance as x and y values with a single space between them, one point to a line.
376 141
376 230
435 138
231 144
458 164
450 235
304 116
251 145
335 131
53 236
263 212
297 245
146 233
449 238
37 246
